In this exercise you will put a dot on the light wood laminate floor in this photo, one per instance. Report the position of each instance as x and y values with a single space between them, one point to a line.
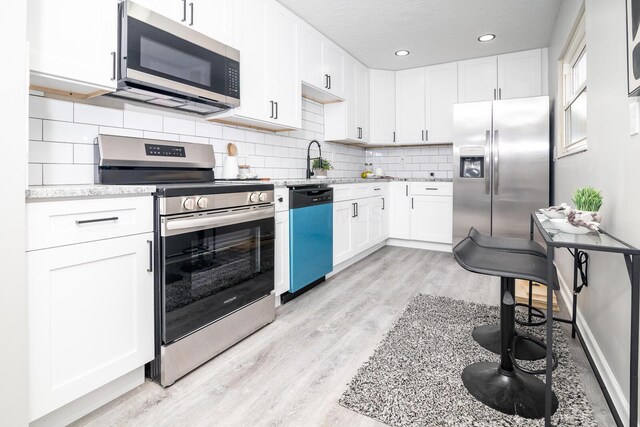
293 371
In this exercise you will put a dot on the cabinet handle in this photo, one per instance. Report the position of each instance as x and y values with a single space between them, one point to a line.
329 81
499 93
276 117
191 6
383 203
90 221
357 210
150 243
113 74
271 116
422 139
353 207
431 188
426 133
280 199
407 190
495 96
394 136
412 203
184 10
326 81
377 189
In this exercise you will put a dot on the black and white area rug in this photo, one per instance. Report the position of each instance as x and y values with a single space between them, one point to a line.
413 377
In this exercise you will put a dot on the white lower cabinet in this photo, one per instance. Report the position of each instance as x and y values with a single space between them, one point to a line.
361 232
282 253
400 218
343 224
431 219
90 317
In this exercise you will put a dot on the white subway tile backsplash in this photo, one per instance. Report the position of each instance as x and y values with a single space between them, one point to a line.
208 130
255 137
264 150
35 174
68 132
97 115
55 174
179 126
272 162
85 154
142 121
35 129
159 135
194 139
233 134
50 152
51 109
134 133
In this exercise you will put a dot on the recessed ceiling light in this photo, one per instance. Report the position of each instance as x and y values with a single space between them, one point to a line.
402 53
486 37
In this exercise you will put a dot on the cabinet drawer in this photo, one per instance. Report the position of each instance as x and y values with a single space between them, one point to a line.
59 223
281 197
342 192
431 189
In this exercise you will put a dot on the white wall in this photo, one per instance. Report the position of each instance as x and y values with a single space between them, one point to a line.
13 92
62 133
611 165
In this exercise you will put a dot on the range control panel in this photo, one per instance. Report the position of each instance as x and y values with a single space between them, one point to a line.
164 150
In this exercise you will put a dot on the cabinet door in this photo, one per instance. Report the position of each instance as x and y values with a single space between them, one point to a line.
400 211
410 106
477 79
73 41
333 65
350 97
312 71
362 101
253 45
382 111
213 18
282 253
520 74
431 219
284 28
361 236
90 317
376 221
343 220
441 94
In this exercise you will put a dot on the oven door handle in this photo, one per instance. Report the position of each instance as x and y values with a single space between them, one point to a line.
185 225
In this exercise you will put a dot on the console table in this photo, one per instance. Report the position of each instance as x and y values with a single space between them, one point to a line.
594 241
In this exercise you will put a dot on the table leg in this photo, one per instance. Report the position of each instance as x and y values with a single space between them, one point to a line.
549 370
574 297
635 307
529 317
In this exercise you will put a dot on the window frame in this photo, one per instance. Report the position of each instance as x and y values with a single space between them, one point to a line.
574 51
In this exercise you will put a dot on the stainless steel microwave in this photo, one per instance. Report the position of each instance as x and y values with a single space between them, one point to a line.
166 63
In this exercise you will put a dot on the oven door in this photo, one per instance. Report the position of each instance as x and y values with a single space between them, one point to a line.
214 264
158 52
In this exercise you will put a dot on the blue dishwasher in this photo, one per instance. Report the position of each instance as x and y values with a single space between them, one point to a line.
310 235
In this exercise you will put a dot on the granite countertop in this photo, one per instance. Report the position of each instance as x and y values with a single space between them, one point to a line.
329 181
71 191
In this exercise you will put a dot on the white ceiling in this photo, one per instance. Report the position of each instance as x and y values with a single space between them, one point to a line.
434 31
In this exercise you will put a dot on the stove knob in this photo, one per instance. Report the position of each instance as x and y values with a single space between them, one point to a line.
189 204
263 197
203 202
253 198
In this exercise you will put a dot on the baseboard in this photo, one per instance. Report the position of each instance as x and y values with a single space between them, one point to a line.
338 268
415 244
90 402
611 386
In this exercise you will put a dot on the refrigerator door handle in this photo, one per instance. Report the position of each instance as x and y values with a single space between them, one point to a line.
487 163
496 167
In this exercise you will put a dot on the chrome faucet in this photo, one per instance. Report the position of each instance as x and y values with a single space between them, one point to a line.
309 171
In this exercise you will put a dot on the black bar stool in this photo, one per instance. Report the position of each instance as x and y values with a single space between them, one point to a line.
505 386
488 336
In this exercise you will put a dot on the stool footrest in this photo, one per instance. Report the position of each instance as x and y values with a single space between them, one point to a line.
538 343
538 314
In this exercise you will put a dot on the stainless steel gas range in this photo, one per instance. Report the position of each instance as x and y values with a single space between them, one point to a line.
214 245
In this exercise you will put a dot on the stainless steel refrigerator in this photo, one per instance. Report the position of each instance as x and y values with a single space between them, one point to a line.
500 165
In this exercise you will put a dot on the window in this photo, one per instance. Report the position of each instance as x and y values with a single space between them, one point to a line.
573 94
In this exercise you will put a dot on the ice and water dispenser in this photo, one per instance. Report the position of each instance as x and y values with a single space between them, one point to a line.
472 162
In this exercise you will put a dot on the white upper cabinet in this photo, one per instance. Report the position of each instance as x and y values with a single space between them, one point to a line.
441 92
513 75
323 66
348 121
268 39
72 46
520 74
424 104
213 18
410 106
382 101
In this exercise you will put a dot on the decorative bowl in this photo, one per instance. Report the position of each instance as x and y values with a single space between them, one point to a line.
564 226
553 214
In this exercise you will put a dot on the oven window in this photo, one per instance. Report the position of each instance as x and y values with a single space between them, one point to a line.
209 274
162 54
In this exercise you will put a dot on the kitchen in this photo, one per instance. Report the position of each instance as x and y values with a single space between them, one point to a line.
121 170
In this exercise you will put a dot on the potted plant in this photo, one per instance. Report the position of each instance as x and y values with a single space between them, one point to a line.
320 168
587 202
